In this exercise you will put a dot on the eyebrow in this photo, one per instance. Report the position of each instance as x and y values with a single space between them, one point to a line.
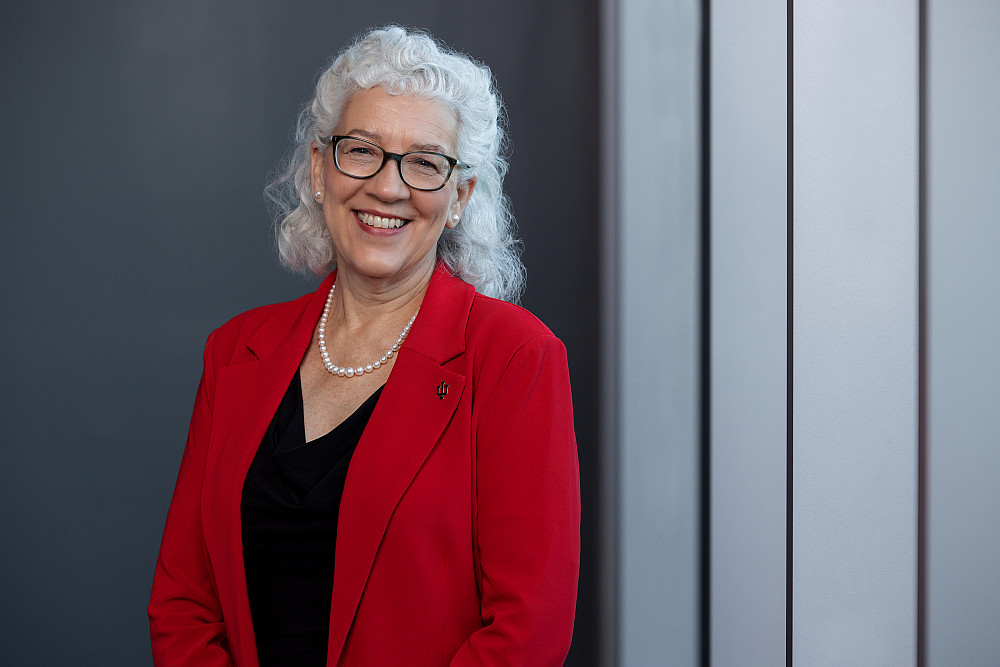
374 137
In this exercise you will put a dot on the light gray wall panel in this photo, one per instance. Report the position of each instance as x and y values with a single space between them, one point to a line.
963 233
748 332
854 341
658 332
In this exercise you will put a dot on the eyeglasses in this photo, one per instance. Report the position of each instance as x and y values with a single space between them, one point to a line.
421 170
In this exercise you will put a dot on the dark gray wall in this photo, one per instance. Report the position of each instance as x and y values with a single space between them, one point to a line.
136 138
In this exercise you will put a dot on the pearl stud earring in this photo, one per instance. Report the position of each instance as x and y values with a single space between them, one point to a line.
318 194
455 217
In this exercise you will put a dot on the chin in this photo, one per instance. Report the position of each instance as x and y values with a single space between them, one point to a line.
391 269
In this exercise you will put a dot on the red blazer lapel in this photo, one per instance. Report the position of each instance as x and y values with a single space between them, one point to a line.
412 413
247 398
248 391
407 423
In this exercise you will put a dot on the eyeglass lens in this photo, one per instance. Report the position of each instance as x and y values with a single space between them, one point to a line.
360 159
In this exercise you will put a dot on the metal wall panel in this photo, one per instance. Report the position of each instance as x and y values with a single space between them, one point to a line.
749 325
854 333
963 317
657 231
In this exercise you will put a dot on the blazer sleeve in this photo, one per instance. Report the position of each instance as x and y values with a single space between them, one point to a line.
185 617
527 519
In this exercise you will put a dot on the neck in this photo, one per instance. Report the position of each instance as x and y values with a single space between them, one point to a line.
361 300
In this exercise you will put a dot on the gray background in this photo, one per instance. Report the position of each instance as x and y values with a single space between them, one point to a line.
137 137
136 141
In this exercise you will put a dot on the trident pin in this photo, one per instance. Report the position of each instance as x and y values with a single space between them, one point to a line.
442 390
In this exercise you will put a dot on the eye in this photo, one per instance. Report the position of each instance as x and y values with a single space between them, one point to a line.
425 162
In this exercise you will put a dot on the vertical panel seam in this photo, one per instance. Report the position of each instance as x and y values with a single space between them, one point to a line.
705 352
921 547
611 316
789 323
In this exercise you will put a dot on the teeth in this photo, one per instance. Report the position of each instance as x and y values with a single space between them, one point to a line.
379 222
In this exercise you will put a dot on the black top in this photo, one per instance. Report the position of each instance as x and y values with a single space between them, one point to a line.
291 497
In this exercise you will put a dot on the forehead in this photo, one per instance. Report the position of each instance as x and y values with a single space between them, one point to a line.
402 122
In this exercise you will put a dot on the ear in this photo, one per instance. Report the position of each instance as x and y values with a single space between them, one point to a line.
464 191
317 159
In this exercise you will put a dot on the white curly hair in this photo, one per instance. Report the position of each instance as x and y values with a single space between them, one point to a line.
483 250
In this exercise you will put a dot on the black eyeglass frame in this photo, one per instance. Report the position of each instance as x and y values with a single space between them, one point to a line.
398 157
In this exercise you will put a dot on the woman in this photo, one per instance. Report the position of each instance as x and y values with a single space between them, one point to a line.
419 505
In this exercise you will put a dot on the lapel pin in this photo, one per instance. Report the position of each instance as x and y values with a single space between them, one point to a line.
442 390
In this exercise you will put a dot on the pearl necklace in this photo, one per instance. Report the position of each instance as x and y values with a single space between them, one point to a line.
340 371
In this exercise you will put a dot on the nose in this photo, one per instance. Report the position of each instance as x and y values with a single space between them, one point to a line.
388 184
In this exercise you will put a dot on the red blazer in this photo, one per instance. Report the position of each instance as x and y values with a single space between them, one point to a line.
458 539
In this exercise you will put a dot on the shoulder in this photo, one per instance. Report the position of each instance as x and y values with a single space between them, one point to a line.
231 336
514 356
505 328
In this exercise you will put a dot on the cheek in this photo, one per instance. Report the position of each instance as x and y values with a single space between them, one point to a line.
340 188
441 209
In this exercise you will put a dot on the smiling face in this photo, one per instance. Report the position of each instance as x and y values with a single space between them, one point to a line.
382 229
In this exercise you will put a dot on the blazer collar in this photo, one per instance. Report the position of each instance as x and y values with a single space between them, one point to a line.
438 332
292 324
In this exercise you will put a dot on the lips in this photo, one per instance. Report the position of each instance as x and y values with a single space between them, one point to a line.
380 222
